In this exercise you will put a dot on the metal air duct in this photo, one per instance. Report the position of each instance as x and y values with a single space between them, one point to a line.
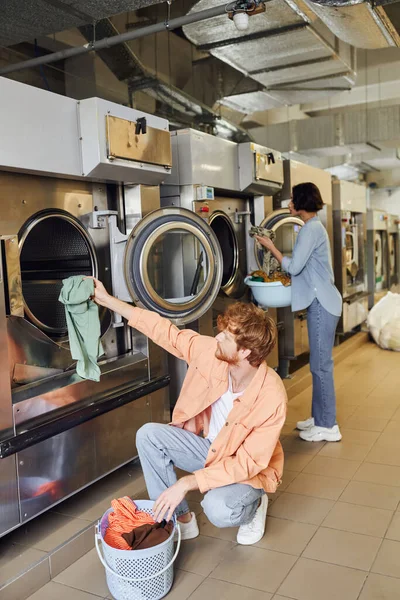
334 135
359 23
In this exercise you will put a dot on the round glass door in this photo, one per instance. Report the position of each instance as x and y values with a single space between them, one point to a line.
286 230
173 264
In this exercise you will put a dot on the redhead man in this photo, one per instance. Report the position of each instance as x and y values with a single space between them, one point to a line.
226 423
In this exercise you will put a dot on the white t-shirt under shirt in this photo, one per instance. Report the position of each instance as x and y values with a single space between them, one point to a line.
220 410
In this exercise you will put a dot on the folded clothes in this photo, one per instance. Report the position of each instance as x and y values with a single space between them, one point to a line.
123 519
147 536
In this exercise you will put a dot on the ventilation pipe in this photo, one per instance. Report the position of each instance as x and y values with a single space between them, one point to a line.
356 22
115 40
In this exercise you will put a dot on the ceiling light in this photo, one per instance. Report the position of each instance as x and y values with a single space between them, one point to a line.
241 10
241 20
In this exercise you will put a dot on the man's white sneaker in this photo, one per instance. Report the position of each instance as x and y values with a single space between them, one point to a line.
304 425
189 531
321 434
254 531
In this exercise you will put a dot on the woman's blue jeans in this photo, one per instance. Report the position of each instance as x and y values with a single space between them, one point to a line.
321 335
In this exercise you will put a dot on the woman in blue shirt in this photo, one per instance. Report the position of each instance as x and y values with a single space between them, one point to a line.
313 288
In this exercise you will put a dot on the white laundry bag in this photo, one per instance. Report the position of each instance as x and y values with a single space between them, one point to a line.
384 322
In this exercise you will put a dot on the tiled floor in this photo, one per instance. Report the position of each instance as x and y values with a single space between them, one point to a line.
333 528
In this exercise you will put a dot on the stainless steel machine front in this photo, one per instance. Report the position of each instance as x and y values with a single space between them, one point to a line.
377 256
350 250
58 433
393 223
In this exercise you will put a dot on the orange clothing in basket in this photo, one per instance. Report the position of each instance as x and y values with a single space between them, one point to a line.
125 517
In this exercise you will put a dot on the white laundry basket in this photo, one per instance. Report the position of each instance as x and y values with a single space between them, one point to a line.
138 574
272 294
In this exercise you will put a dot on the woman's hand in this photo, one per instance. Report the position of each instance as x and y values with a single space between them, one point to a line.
100 296
269 245
266 242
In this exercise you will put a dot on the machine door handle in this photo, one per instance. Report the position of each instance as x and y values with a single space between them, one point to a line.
141 126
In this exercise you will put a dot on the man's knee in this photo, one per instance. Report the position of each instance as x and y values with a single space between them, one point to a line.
216 510
147 433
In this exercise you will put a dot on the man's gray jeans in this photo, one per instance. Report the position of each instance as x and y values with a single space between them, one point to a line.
163 447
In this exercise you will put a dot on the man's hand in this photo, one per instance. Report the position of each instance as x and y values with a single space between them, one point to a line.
165 505
100 296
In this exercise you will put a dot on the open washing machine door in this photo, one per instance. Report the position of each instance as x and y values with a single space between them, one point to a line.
173 264
232 283
53 245
286 228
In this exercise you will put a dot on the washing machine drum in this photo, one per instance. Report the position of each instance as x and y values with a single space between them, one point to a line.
222 227
232 277
53 245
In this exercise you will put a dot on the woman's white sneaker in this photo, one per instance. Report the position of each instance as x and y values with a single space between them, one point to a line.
321 434
304 425
253 532
189 531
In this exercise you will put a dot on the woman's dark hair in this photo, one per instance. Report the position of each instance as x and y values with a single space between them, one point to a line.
306 196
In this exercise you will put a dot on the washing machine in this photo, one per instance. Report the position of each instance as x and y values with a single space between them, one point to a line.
224 215
350 251
377 255
218 180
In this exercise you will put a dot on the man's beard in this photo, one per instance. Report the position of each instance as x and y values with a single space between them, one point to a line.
231 360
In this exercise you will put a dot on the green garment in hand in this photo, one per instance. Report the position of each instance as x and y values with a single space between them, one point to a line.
83 323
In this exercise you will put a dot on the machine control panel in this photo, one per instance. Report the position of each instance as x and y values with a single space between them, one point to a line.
204 192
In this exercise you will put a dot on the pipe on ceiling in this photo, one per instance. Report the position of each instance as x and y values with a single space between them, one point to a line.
115 40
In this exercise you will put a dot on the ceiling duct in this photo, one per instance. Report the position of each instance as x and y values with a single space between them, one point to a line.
335 135
299 50
359 23
380 169
285 49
